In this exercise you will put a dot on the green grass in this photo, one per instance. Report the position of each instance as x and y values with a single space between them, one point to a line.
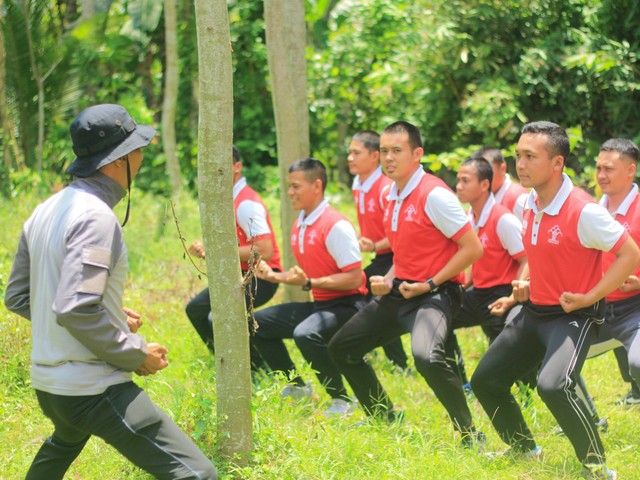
292 439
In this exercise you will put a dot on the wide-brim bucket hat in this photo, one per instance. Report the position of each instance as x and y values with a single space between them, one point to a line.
101 134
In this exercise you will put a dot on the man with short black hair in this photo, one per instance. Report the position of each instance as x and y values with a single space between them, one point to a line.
370 192
506 192
68 278
329 266
432 242
503 259
616 169
564 234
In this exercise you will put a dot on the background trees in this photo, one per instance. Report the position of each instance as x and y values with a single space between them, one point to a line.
468 72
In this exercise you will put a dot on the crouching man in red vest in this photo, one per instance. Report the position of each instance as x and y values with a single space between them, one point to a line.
432 242
326 247
564 235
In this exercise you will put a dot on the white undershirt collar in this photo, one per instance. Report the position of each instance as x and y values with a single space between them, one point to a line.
368 183
409 187
558 201
623 208
484 215
313 216
238 186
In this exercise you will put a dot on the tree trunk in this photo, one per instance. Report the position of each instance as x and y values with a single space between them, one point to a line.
36 75
215 184
170 99
285 33
342 165
4 114
87 9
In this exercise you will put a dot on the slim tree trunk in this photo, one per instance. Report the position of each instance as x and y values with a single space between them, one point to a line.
285 29
215 183
170 99
4 114
40 79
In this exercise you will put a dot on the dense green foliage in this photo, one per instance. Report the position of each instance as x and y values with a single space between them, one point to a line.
292 440
466 72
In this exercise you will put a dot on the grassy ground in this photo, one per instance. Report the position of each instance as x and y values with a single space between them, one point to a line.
292 439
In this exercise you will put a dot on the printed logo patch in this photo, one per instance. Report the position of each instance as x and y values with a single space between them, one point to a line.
554 233
484 238
574 323
371 205
409 213
627 227
312 237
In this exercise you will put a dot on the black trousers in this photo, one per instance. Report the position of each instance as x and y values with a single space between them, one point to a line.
559 343
125 417
475 312
428 319
311 325
622 322
380 265
199 308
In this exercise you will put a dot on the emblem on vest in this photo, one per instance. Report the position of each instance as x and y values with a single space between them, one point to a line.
524 227
294 239
371 205
312 237
409 212
554 233
627 227
484 238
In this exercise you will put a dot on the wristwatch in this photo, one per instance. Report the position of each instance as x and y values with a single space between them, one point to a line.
307 286
432 285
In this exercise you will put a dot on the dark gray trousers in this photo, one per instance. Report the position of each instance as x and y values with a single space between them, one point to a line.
559 343
125 417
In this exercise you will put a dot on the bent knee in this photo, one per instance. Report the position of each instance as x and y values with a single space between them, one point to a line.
548 389
485 379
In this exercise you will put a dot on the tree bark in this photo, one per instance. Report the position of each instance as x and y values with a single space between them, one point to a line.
215 137
4 115
169 103
38 78
285 34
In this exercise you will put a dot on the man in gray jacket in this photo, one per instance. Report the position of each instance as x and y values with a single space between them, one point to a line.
68 278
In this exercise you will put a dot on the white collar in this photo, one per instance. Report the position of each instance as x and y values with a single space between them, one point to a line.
623 208
313 216
484 215
558 201
409 187
503 189
368 183
238 186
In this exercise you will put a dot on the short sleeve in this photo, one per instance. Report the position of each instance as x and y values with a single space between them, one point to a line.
252 219
445 211
509 231
342 245
597 228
